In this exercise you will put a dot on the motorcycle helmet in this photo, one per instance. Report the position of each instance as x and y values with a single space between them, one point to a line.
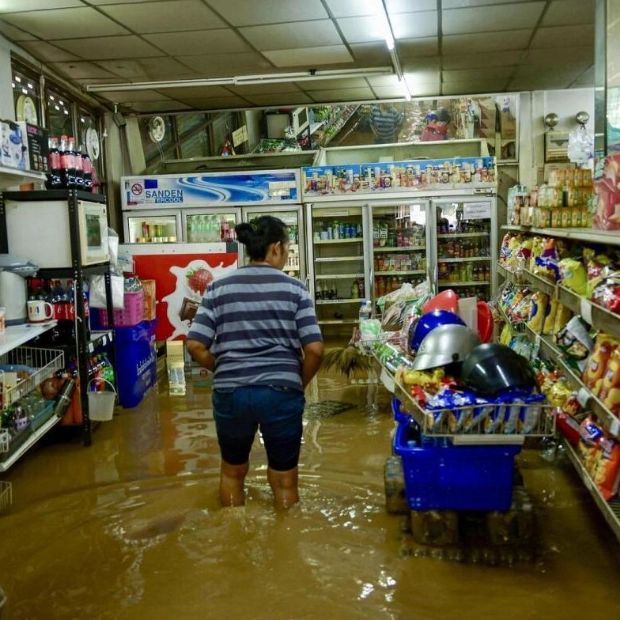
446 344
491 369
427 323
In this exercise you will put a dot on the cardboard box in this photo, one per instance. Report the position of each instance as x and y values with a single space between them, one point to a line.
38 146
150 300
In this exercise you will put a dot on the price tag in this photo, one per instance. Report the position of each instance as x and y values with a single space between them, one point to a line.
586 311
583 396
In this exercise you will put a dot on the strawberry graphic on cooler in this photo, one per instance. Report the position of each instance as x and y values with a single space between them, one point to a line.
198 279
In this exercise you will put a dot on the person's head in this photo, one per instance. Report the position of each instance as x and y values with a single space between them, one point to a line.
265 239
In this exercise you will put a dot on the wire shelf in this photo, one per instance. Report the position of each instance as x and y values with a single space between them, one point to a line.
27 368
6 495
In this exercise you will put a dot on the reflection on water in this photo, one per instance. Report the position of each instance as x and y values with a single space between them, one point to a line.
130 528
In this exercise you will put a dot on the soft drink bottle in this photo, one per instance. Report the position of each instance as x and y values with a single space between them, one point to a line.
87 169
77 159
54 180
67 163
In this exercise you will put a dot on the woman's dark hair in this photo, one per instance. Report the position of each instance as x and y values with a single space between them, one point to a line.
260 233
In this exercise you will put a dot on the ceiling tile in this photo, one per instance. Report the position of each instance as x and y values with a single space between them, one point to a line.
194 92
334 84
409 6
415 25
559 56
66 24
474 87
279 99
368 28
104 2
151 68
559 35
489 73
251 90
548 79
15 34
459 4
491 18
488 42
498 59
121 96
346 8
245 13
158 106
586 79
19 6
414 78
388 92
569 12
286 36
216 103
156 16
106 48
45 51
422 65
341 94
371 54
75 70
415 48
198 42
221 65
310 56
383 80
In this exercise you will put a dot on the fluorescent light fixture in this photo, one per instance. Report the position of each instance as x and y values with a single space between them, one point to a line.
273 78
384 24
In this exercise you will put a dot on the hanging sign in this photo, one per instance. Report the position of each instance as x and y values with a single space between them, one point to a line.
476 210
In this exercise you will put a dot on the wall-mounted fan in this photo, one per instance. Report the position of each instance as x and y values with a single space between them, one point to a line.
157 129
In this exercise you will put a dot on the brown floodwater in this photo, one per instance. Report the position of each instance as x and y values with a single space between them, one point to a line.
130 528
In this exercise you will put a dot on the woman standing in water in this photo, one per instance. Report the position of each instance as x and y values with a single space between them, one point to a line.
257 330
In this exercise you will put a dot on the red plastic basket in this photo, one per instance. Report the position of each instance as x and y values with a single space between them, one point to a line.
131 313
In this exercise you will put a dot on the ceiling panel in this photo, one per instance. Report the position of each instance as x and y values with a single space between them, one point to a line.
297 98
264 89
569 12
473 87
498 59
418 47
388 92
559 56
346 8
458 4
81 70
217 103
488 42
15 34
221 65
151 68
198 42
156 16
415 25
559 35
195 92
371 54
408 6
66 24
19 6
491 18
310 57
106 48
341 95
133 95
244 13
490 73
585 79
47 52
286 36
158 106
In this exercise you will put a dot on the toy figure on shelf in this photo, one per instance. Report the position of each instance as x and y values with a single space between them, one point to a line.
227 149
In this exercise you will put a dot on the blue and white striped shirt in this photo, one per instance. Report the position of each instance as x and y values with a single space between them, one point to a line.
255 322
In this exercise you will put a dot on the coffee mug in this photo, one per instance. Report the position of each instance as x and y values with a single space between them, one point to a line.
39 311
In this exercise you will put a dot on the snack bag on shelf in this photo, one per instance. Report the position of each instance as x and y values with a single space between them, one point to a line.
598 266
562 317
546 268
606 467
575 340
590 434
538 311
609 391
607 293
548 323
506 334
596 364
573 275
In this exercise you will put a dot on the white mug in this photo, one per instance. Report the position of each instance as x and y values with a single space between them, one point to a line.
39 311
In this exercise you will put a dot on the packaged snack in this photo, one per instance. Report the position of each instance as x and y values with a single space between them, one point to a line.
547 268
538 311
574 339
596 364
558 394
609 391
605 468
573 275
552 308
562 317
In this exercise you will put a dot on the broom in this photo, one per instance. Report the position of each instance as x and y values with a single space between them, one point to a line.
347 360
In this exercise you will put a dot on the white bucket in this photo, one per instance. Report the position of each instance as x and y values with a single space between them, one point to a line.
101 404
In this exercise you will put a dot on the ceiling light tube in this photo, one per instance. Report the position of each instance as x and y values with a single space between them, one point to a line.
273 78
384 24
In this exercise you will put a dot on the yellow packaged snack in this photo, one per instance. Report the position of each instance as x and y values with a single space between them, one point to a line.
610 384
574 275
562 317
506 335
552 308
593 373
538 311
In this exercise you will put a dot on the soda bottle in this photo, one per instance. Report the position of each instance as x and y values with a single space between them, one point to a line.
67 163
79 170
87 170
54 180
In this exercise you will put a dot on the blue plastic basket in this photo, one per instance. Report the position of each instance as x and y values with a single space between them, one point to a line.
441 476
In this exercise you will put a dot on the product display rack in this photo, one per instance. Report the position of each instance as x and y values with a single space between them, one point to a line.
600 319
85 343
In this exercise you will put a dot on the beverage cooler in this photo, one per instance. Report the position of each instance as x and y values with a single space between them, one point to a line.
293 218
179 231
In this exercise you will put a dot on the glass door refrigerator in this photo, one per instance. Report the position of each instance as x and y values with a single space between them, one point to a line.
464 247
398 245
292 216
338 272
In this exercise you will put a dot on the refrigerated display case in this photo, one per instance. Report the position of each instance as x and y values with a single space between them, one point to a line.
161 227
464 247
293 218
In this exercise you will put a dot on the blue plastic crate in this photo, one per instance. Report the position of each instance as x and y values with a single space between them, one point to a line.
441 476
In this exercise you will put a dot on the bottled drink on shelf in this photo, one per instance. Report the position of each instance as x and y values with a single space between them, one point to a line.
365 311
355 290
54 178
87 170
79 168
67 163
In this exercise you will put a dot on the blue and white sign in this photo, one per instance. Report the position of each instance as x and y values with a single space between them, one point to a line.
228 188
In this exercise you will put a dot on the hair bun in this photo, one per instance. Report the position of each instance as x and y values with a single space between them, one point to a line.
245 232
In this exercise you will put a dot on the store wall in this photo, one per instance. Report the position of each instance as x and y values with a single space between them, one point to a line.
7 109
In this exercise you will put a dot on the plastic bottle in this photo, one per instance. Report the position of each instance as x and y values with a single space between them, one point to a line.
67 163
54 180
365 312
87 170
79 166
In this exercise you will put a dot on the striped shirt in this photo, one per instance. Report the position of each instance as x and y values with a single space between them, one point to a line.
255 322
386 124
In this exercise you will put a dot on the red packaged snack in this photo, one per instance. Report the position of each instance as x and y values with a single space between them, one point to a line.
606 467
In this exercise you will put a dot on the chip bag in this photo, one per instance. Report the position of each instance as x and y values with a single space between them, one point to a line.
573 275
596 364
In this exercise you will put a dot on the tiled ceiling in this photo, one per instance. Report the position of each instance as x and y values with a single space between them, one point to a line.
444 47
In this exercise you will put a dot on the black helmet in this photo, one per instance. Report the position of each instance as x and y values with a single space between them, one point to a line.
490 369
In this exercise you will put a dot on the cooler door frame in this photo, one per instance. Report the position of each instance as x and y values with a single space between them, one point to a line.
207 210
148 213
